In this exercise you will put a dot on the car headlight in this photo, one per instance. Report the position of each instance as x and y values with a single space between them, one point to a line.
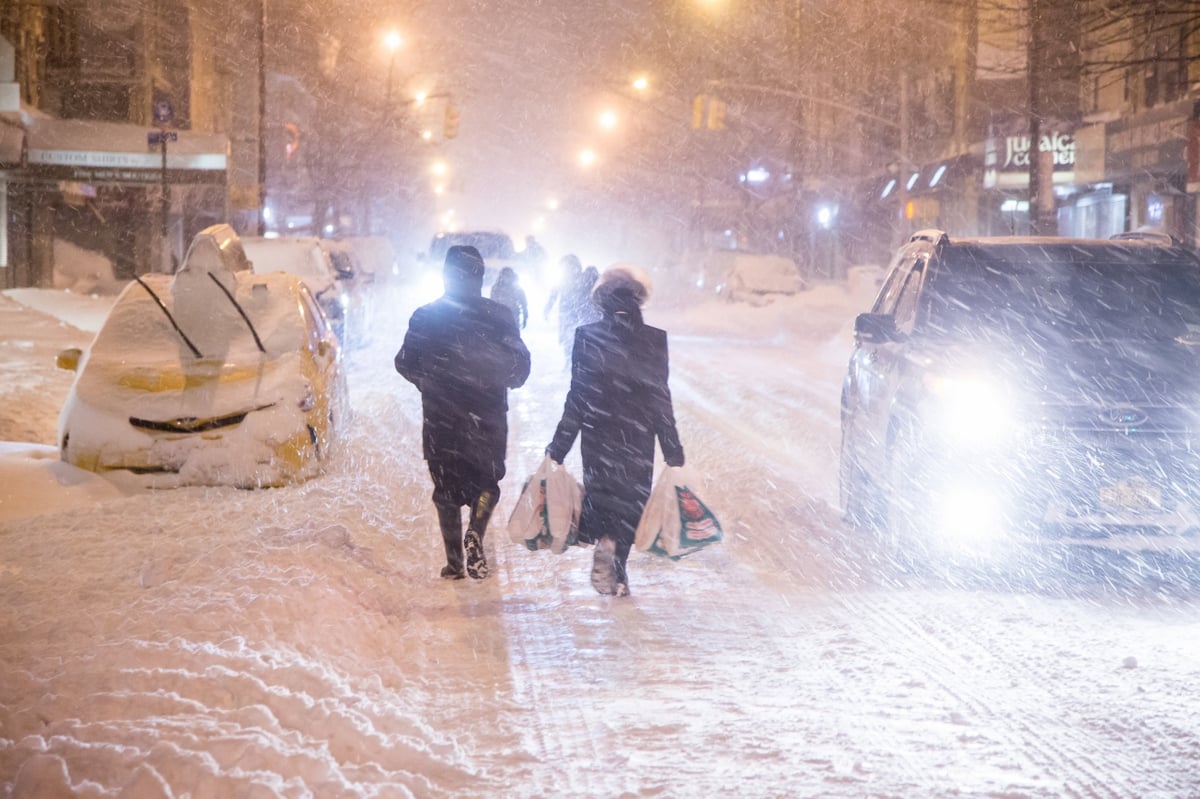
971 410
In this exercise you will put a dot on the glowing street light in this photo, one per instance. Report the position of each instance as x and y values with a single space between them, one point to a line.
607 119
552 204
438 168
427 134
392 41
587 158
641 83
419 97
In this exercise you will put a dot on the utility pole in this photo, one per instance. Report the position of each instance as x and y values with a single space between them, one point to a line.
1040 172
262 117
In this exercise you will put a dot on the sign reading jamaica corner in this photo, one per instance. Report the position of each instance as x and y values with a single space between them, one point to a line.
1006 160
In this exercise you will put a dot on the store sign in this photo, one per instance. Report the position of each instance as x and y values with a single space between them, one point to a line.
1006 161
118 160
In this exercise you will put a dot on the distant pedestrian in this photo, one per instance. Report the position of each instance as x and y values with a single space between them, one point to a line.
565 296
589 311
535 254
508 292
463 352
619 403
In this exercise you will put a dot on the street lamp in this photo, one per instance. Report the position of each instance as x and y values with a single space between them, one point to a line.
641 83
392 41
607 119
587 157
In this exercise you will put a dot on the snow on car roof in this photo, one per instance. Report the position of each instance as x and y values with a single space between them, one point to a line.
138 330
297 255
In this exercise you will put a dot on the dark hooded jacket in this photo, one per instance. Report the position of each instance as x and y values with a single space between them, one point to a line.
463 352
619 403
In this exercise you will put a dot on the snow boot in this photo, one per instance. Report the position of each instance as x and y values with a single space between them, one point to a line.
481 513
604 567
450 520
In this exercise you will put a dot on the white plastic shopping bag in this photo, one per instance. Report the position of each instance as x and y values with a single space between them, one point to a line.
547 512
675 522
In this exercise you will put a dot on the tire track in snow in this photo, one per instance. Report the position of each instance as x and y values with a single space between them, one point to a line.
1069 752
544 616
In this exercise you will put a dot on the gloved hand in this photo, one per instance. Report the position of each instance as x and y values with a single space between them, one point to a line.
675 461
556 461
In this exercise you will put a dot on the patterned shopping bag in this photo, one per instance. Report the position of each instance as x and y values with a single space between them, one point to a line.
547 512
675 522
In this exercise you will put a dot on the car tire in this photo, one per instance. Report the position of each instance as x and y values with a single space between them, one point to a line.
901 526
861 505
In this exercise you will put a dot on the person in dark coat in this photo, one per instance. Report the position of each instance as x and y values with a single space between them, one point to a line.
463 352
619 403
508 292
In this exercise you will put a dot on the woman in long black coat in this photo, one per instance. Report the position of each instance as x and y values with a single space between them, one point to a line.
619 404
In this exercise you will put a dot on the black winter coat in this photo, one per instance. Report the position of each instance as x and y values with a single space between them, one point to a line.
463 354
619 403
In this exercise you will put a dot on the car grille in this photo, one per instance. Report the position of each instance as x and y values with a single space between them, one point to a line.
192 424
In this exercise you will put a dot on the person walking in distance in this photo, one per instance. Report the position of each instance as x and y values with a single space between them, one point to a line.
508 292
619 403
463 352
566 295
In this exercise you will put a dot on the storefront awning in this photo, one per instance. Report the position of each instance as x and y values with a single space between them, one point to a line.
84 151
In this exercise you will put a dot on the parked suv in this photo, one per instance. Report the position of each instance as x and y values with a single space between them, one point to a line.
1009 389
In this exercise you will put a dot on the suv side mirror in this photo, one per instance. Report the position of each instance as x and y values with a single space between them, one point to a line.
875 328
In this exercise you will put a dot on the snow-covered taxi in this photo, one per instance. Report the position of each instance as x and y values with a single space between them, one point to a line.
213 376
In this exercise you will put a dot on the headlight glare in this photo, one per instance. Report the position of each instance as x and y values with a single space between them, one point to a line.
971 410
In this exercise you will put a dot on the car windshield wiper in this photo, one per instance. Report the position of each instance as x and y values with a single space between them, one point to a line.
174 324
241 311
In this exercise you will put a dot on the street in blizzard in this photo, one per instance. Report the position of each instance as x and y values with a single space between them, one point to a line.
919 297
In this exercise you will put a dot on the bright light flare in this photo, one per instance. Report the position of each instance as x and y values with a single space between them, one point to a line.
972 411
438 168
607 120
393 41
427 135
641 83
420 97
430 287
970 518
587 158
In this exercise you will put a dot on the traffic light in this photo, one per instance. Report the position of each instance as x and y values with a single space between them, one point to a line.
716 114
708 112
450 123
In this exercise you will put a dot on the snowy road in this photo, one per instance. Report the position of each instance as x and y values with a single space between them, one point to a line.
296 642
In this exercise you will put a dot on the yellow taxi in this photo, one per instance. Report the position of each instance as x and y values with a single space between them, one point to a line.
212 376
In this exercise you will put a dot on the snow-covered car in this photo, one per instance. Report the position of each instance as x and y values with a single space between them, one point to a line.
1017 391
304 257
495 246
214 376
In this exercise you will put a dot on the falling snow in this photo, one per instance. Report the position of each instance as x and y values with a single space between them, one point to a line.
297 641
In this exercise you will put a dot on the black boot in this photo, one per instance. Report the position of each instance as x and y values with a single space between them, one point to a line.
450 520
481 513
